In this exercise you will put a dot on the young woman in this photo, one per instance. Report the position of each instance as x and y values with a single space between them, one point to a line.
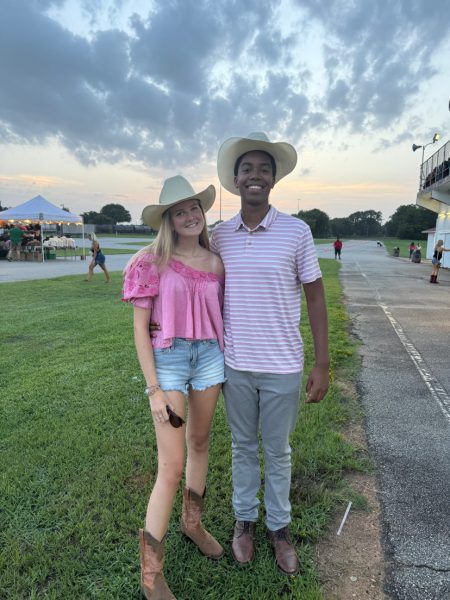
178 283
98 258
436 260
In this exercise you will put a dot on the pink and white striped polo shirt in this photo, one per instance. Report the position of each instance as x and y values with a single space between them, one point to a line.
264 270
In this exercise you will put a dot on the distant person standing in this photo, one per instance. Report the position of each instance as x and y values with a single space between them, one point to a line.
412 247
16 237
337 248
98 258
436 260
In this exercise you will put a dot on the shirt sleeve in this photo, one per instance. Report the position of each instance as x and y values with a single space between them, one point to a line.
307 263
141 282
213 242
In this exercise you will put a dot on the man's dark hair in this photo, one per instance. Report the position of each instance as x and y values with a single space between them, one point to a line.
272 162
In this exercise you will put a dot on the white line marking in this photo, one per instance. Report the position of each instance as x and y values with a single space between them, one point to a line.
344 518
437 391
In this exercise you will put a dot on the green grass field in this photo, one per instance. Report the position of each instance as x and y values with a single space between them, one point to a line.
391 243
128 235
78 456
107 251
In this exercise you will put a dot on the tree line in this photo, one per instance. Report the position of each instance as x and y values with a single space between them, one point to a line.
110 214
408 222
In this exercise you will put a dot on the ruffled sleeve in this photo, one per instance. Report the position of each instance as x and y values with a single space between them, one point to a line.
141 281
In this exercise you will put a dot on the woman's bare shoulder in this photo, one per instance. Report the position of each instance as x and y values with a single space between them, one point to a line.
216 264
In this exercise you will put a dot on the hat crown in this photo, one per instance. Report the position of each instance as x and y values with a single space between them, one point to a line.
258 135
174 189
284 155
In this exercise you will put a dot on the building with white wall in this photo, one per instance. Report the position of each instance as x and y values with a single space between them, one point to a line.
434 194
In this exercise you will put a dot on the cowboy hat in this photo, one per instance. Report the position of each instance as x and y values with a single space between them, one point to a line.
176 189
284 154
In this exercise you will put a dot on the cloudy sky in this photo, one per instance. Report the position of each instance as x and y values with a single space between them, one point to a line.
101 100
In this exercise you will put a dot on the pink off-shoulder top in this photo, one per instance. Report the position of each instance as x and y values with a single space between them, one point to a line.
185 302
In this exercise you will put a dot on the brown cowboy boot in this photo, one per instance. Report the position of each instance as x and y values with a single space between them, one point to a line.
192 527
153 583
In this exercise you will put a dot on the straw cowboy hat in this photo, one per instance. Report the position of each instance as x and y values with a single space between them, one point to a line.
176 189
284 155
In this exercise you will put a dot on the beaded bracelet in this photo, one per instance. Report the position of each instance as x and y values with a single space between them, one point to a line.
151 389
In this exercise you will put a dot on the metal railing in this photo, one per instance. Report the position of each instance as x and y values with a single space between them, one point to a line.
436 167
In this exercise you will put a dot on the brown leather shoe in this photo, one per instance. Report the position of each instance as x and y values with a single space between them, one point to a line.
283 548
242 546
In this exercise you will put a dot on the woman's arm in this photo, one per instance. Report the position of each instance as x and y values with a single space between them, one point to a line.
144 349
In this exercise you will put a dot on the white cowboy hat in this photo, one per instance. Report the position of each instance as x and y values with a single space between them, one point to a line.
176 189
284 154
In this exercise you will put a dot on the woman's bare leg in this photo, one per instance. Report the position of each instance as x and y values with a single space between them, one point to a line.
106 272
201 412
91 270
170 442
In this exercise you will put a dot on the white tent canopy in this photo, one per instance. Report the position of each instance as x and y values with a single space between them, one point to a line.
40 210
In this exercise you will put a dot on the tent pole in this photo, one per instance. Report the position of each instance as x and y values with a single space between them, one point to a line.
42 242
82 233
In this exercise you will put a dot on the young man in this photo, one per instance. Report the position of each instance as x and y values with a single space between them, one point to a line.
268 256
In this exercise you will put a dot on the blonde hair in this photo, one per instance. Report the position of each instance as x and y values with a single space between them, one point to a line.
163 246
93 237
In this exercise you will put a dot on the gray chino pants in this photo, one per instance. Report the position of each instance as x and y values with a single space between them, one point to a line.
268 401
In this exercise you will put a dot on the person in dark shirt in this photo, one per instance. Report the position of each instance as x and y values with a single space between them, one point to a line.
337 248
16 236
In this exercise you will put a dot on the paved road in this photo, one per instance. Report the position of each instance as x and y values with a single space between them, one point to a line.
404 324
24 271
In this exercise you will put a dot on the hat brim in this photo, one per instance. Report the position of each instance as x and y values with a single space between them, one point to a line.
152 214
284 154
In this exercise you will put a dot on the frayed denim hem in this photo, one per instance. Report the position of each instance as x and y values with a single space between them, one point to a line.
183 391
209 385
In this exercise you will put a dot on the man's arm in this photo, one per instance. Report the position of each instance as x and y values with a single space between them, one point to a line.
318 380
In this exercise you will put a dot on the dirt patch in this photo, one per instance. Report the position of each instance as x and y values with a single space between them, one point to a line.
351 565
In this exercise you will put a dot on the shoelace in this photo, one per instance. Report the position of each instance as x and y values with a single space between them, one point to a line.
281 534
246 527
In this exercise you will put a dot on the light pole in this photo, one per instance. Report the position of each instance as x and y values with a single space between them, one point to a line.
415 147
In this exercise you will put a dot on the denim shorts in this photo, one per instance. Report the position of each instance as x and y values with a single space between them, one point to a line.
185 363
100 258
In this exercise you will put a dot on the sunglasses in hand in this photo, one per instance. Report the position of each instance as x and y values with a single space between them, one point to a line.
174 419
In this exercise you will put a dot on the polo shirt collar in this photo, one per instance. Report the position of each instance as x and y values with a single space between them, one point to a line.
264 225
